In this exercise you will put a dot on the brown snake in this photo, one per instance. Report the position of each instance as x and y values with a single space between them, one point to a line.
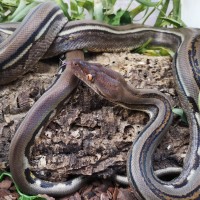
46 33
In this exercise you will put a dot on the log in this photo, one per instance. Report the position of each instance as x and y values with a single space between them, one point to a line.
91 135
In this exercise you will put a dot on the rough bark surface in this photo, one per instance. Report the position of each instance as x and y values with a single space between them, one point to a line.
91 135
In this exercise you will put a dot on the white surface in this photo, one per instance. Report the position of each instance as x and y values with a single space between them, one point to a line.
191 13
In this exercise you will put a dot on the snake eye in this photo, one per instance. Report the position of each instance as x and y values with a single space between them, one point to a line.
90 77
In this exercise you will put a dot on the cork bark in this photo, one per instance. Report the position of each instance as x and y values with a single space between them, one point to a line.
91 135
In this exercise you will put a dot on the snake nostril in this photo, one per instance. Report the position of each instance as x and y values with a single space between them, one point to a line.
73 63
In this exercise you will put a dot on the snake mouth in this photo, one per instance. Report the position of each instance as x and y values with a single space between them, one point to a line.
100 93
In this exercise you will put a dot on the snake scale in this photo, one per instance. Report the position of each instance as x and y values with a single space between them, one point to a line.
45 33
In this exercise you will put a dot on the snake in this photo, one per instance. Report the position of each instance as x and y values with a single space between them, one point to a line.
45 33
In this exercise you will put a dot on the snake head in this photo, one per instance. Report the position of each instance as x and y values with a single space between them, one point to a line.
102 80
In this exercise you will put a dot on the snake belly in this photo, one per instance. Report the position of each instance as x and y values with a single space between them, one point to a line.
23 44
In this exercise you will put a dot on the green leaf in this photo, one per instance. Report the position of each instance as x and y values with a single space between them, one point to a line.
181 114
22 196
9 2
143 47
20 7
162 14
73 7
152 11
64 7
148 3
2 174
137 10
108 4
121 17
174 22
153 50
98 11
150 52
163 51
176 9
87 4
6 9
22 12
75 13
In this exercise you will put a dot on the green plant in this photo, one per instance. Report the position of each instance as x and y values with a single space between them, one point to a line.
22 196
15 10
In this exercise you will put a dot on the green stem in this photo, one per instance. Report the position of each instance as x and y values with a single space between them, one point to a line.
152 11
162 14
131 1
176 9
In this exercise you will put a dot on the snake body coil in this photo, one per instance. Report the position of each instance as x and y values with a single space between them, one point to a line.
45 33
